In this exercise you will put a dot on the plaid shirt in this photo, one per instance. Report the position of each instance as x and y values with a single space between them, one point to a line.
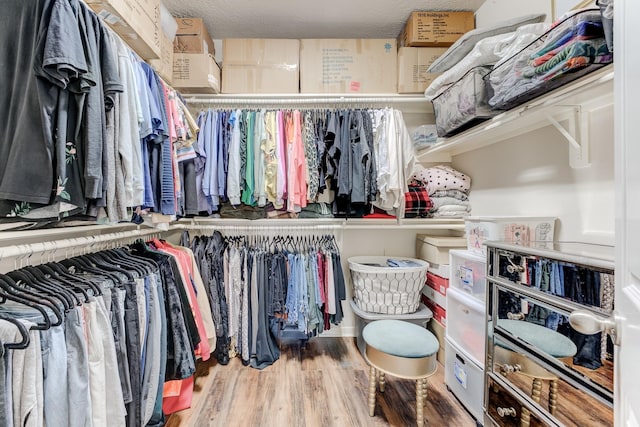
417 202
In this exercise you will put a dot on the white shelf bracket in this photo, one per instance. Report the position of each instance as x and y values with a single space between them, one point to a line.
576 133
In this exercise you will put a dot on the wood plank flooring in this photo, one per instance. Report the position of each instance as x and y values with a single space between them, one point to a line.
320 384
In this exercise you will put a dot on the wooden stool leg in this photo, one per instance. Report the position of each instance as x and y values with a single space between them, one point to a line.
553 395
419 403
381 382
536 389
372 390
424 388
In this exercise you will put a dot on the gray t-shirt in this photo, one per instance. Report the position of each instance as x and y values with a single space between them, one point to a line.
46 58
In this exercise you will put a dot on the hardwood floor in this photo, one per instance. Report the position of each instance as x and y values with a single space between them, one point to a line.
322 384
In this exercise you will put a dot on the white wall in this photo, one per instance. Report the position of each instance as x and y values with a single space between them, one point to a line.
530 175
493 11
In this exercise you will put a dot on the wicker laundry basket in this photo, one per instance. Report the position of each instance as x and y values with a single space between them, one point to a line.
379 288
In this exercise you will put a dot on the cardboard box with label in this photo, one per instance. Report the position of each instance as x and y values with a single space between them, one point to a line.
348 66
413 63
192 37
195 73
164 65
261 66
435 29
137 22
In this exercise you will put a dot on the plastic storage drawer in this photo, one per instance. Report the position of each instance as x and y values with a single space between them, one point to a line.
468 273
464 378
466 323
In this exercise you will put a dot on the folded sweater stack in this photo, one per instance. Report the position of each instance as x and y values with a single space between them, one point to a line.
448 191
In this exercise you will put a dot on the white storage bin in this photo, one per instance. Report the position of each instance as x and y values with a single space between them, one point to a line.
468 273
466 323
464 378
520 230
435 249
379 288
421 317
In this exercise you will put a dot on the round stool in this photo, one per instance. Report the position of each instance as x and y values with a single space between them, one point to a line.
403 350
545 339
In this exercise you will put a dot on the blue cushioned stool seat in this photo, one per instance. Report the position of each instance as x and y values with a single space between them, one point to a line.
403 350
399 338
551 342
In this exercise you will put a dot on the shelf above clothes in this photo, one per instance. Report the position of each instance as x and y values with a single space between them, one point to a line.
566 108
341 223
406 103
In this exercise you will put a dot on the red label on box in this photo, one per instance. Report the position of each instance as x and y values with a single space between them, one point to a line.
354 86
439 284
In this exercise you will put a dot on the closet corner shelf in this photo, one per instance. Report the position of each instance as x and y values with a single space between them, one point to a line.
406 103
571 103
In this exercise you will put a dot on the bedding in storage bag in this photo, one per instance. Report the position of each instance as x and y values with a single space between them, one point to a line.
463 104
572 48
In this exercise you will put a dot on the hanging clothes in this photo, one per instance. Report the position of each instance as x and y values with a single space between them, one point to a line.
108 338
268 285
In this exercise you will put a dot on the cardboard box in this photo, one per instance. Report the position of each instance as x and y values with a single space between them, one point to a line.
435 29
437 329
195 73
164 65
192 37
348 66
261 66
413 63
135 22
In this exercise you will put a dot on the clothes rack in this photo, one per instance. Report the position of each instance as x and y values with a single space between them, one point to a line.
15 256
308 101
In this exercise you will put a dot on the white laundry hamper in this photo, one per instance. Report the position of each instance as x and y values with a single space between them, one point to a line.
379 288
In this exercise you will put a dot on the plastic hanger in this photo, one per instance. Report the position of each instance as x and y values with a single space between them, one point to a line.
24 283
42 284
65 283
80 281
142 265
8 291
97 259
24 332
54 282
83 265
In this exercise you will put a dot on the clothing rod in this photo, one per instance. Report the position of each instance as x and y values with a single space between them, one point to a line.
86 243
261 227
293 100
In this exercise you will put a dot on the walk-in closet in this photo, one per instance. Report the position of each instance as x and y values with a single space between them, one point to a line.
290 213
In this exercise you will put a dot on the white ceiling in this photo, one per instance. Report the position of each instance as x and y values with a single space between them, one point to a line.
308 18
